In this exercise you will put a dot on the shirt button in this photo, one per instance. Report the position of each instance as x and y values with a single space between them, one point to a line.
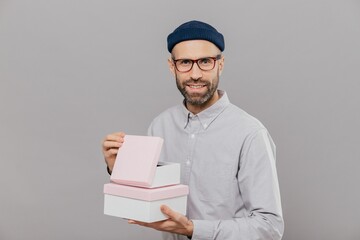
205 125
188 162
192 136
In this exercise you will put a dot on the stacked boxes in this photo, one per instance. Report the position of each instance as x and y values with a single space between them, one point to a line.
140 184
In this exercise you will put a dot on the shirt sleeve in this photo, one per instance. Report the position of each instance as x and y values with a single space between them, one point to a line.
259 188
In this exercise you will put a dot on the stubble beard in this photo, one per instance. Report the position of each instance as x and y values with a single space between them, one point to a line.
198 99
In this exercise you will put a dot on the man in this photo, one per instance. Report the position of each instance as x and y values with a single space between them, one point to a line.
227 157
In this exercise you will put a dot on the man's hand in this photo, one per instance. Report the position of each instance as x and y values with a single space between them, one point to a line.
110 147
177 223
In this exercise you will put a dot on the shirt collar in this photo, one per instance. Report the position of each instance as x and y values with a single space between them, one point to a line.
207 116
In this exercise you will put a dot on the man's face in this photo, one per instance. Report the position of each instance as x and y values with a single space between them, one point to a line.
197 86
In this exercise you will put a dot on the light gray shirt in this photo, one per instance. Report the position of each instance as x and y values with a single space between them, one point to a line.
227 159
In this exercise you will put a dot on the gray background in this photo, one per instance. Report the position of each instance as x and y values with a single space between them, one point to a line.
73 71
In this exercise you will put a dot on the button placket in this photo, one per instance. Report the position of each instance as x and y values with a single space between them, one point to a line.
192 130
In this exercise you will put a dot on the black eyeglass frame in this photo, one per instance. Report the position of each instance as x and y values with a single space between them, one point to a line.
217 57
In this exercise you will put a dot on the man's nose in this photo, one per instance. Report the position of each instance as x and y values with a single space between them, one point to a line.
196 73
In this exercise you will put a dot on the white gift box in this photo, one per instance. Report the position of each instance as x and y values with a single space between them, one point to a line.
140 184
143 204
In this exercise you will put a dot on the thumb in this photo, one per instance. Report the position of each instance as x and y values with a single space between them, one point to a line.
166 210
175 216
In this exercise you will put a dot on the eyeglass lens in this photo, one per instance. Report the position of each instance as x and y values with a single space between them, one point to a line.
185 65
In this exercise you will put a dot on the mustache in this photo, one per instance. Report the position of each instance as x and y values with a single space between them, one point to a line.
196 81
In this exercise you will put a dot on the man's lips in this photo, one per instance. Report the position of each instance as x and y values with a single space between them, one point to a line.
196 86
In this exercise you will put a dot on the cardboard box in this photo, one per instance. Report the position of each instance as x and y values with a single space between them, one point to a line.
143 204
140 184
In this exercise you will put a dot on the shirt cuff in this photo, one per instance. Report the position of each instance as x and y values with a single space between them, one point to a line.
203 230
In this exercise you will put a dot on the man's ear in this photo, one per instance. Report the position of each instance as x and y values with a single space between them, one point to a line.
171 66
221 64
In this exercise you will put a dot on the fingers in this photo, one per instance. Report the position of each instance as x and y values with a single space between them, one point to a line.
182 224
110 147
115 137
167 211
144 224
112 152
175 216
112 144
114 140
169 225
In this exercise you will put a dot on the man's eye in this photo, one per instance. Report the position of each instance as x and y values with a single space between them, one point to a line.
205 61
185 62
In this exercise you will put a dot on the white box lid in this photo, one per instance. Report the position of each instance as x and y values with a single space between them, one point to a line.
136 160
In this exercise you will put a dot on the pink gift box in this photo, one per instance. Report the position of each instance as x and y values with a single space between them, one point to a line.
137 164
140 184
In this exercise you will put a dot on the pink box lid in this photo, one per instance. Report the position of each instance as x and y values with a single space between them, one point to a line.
147 194
136 160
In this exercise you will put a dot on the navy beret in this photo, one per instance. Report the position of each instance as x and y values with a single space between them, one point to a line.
195 30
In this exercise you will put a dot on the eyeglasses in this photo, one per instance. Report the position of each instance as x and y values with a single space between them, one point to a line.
205 64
